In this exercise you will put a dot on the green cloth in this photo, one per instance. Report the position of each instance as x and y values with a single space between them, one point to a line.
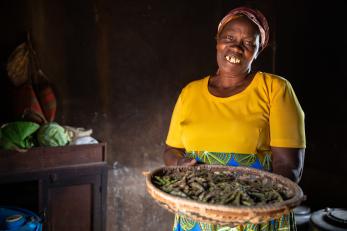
18 134
52 135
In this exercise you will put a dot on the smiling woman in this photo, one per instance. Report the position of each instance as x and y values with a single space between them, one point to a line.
237 43
238 116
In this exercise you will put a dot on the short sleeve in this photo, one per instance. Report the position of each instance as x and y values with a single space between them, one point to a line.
174 138
287 128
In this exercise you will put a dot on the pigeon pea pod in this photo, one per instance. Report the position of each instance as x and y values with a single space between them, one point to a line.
225 187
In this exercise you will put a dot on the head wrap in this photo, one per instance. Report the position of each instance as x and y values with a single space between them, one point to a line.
255 16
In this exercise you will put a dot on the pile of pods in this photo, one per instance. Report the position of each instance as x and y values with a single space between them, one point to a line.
221 187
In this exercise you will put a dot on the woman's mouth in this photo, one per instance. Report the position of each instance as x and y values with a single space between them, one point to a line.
232 59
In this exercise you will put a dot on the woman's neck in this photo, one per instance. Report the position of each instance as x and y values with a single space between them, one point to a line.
227 80
222 85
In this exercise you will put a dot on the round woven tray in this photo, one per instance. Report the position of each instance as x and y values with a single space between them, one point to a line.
225 214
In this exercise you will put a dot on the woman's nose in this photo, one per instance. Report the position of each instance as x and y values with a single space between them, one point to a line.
236 46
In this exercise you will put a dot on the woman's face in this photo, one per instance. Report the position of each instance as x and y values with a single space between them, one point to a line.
237 46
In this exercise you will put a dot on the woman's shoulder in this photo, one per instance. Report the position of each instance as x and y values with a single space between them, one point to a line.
273 80
196 85
271 77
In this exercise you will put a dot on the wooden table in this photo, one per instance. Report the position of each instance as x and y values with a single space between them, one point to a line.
67 186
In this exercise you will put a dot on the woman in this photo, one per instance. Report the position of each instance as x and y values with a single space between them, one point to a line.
239 117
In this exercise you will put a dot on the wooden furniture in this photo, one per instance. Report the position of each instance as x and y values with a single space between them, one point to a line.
67 186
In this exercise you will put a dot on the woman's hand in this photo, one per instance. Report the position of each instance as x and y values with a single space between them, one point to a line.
186 161
175 156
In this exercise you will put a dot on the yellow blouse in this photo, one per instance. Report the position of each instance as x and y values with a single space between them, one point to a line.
267 113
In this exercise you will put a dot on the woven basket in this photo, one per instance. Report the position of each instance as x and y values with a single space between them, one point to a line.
225 214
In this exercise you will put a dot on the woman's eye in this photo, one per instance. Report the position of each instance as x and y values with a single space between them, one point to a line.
226 39
249 43
229 37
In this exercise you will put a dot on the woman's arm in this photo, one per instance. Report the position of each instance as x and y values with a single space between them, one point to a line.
175 156
288 162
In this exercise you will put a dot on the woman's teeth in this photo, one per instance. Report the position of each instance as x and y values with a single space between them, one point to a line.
232 59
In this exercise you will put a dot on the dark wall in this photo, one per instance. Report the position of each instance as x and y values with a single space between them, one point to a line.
311 52
118 67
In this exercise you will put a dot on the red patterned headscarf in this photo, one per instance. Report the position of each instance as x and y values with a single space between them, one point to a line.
255 16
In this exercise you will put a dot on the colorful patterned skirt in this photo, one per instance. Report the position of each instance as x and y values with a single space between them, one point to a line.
285 223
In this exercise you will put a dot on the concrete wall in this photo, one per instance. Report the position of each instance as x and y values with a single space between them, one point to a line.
118 67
